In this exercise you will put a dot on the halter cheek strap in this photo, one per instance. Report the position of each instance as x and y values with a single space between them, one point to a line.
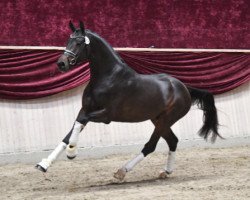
68 52
74 55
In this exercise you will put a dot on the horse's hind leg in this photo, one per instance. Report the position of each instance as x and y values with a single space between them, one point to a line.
172 141
148 148
162 129
165 122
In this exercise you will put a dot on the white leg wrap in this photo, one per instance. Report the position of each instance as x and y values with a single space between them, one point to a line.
45 163
75 133
130 165
170 162
71 150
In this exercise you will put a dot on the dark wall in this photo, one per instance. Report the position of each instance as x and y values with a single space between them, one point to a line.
129 23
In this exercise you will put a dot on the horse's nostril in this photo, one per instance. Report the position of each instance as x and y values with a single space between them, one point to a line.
61 64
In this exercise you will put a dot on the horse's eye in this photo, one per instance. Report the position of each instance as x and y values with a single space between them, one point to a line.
79 40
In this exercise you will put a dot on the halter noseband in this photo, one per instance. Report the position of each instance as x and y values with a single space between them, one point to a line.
74 55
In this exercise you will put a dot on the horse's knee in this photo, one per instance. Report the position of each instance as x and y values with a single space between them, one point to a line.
82 119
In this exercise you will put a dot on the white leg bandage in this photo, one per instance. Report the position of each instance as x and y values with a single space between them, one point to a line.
71 150
130 165
121 173
45 163
169 168
75 133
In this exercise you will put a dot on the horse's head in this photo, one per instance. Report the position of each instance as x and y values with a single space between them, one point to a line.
77 49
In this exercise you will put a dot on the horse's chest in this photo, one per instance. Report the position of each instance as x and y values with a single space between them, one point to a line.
106 94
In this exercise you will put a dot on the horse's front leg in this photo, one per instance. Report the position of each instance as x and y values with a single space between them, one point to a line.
70 141
72 138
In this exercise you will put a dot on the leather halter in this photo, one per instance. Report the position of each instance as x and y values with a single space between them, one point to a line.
74 55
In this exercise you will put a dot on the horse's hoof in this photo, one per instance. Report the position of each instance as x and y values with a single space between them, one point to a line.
164 174
39 167
71 158
43 165
120 174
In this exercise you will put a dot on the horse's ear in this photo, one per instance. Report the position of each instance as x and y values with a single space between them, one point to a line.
82 27
72 27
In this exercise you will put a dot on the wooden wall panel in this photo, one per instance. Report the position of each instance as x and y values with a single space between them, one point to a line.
38 125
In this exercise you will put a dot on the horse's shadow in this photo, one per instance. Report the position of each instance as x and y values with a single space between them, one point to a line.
116 185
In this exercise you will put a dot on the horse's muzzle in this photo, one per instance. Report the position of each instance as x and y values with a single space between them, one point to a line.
63 64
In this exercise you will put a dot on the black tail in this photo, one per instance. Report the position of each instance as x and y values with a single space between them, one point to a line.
205 102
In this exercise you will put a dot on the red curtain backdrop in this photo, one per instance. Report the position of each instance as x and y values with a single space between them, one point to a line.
220 24
129 23
33 74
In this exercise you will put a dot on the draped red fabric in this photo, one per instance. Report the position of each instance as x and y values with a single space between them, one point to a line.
215 72
203 24
32 74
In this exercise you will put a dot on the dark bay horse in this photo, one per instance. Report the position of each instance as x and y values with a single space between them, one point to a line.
116 92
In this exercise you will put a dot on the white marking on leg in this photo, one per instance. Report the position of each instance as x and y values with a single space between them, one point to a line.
131 164
46 163
169 168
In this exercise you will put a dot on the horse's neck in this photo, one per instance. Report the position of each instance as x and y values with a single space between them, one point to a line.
103 59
